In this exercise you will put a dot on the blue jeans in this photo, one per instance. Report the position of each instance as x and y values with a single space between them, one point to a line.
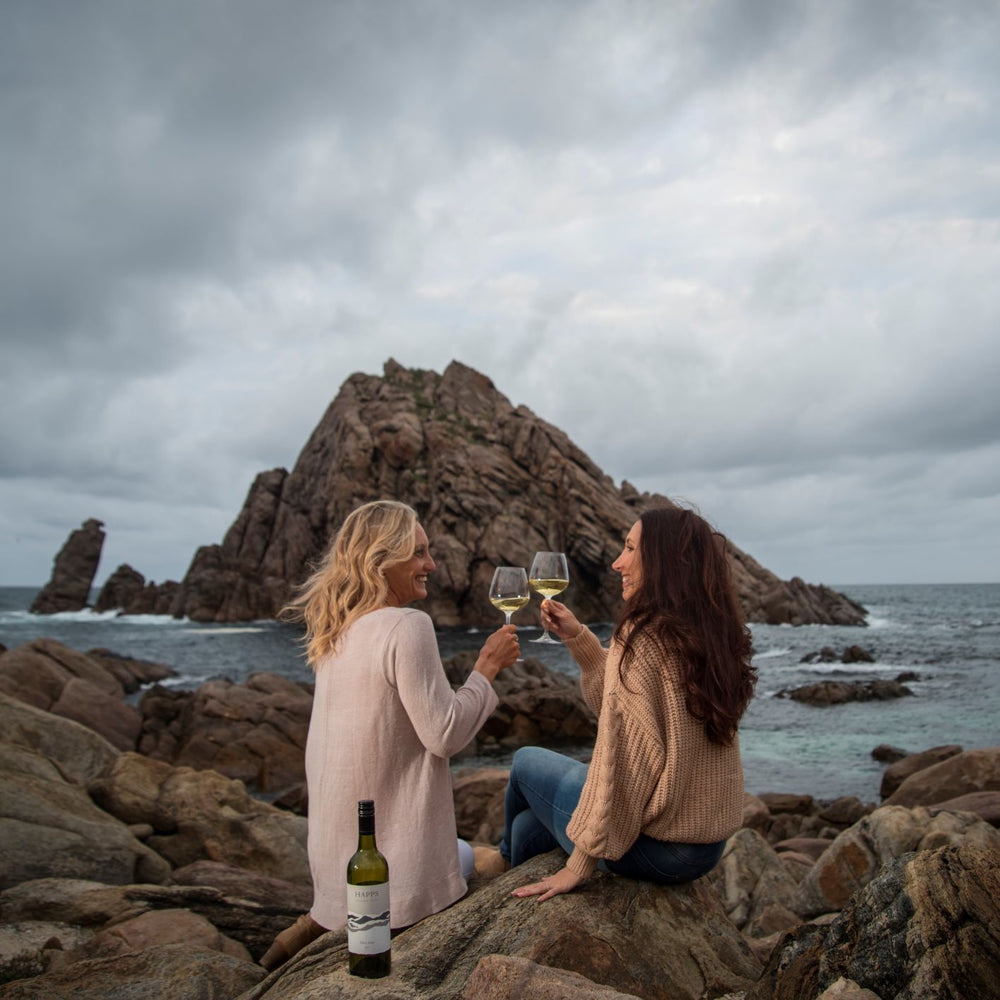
543 790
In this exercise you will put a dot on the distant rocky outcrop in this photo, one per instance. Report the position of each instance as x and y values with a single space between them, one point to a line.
72 571
123 589
492 483
128 591
840 692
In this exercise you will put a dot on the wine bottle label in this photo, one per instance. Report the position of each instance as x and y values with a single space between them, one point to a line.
368 919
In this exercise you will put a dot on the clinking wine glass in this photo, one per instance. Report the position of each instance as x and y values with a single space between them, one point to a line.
549 575
509 590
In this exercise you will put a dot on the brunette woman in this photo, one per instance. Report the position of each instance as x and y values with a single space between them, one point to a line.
664 788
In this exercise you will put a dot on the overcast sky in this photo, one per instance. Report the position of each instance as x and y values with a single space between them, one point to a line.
744 254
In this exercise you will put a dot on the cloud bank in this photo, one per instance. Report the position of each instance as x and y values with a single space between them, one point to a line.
745 255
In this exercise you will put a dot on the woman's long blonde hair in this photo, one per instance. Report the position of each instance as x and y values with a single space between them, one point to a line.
350 580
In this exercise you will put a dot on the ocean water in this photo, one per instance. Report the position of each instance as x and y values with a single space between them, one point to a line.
949 635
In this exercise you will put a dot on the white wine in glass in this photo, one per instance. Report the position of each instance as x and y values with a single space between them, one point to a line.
548 576
509 590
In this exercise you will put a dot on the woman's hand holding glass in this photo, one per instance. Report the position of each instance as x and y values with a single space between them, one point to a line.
558 618
499 651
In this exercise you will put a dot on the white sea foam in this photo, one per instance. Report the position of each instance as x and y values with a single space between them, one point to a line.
850 669
770 654
882 623
225 630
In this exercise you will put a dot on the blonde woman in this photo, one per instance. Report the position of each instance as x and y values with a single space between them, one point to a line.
384 722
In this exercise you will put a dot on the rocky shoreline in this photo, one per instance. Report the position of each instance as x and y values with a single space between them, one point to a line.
149 844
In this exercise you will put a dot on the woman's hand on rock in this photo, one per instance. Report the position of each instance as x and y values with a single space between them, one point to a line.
558 618
500 650
563 881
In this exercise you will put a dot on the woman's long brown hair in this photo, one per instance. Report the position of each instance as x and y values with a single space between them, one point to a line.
686 601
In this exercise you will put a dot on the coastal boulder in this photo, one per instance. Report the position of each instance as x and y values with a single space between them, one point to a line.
131 674
80 753
152 929
858 854
655 942
255 731
970 771
478 793
243 905
117 722
166 972
986 805
537 706
51 676
73 571
202 815
910 763
928 926
50 826
752 881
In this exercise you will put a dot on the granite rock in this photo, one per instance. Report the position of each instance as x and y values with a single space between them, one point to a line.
927 927
73 569
959 774
492 484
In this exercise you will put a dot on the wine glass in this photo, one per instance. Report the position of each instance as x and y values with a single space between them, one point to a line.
549 575
509 590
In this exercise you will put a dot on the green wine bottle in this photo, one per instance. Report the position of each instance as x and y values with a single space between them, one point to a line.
368 902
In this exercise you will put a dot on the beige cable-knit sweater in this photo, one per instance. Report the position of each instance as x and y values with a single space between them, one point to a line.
384 723
653 770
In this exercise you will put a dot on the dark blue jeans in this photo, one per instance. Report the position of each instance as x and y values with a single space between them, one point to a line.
543 790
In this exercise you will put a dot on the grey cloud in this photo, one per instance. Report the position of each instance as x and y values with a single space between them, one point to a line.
741 244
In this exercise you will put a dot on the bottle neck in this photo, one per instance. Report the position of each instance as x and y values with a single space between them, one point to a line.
366 831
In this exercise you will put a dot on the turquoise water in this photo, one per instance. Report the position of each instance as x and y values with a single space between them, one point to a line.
948 634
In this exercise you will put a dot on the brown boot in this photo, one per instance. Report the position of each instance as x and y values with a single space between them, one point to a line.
489 861
290 941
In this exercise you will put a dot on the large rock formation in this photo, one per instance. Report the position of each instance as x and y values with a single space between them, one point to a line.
492 484
656 942
73 571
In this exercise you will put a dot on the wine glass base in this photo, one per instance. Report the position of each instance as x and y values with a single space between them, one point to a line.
547 639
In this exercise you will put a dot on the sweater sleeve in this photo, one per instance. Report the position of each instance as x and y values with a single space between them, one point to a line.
444 720
628 761
591 657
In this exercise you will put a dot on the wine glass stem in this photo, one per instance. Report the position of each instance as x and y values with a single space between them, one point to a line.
508 614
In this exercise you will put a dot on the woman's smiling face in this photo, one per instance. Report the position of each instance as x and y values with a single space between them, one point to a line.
628 563
408 580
